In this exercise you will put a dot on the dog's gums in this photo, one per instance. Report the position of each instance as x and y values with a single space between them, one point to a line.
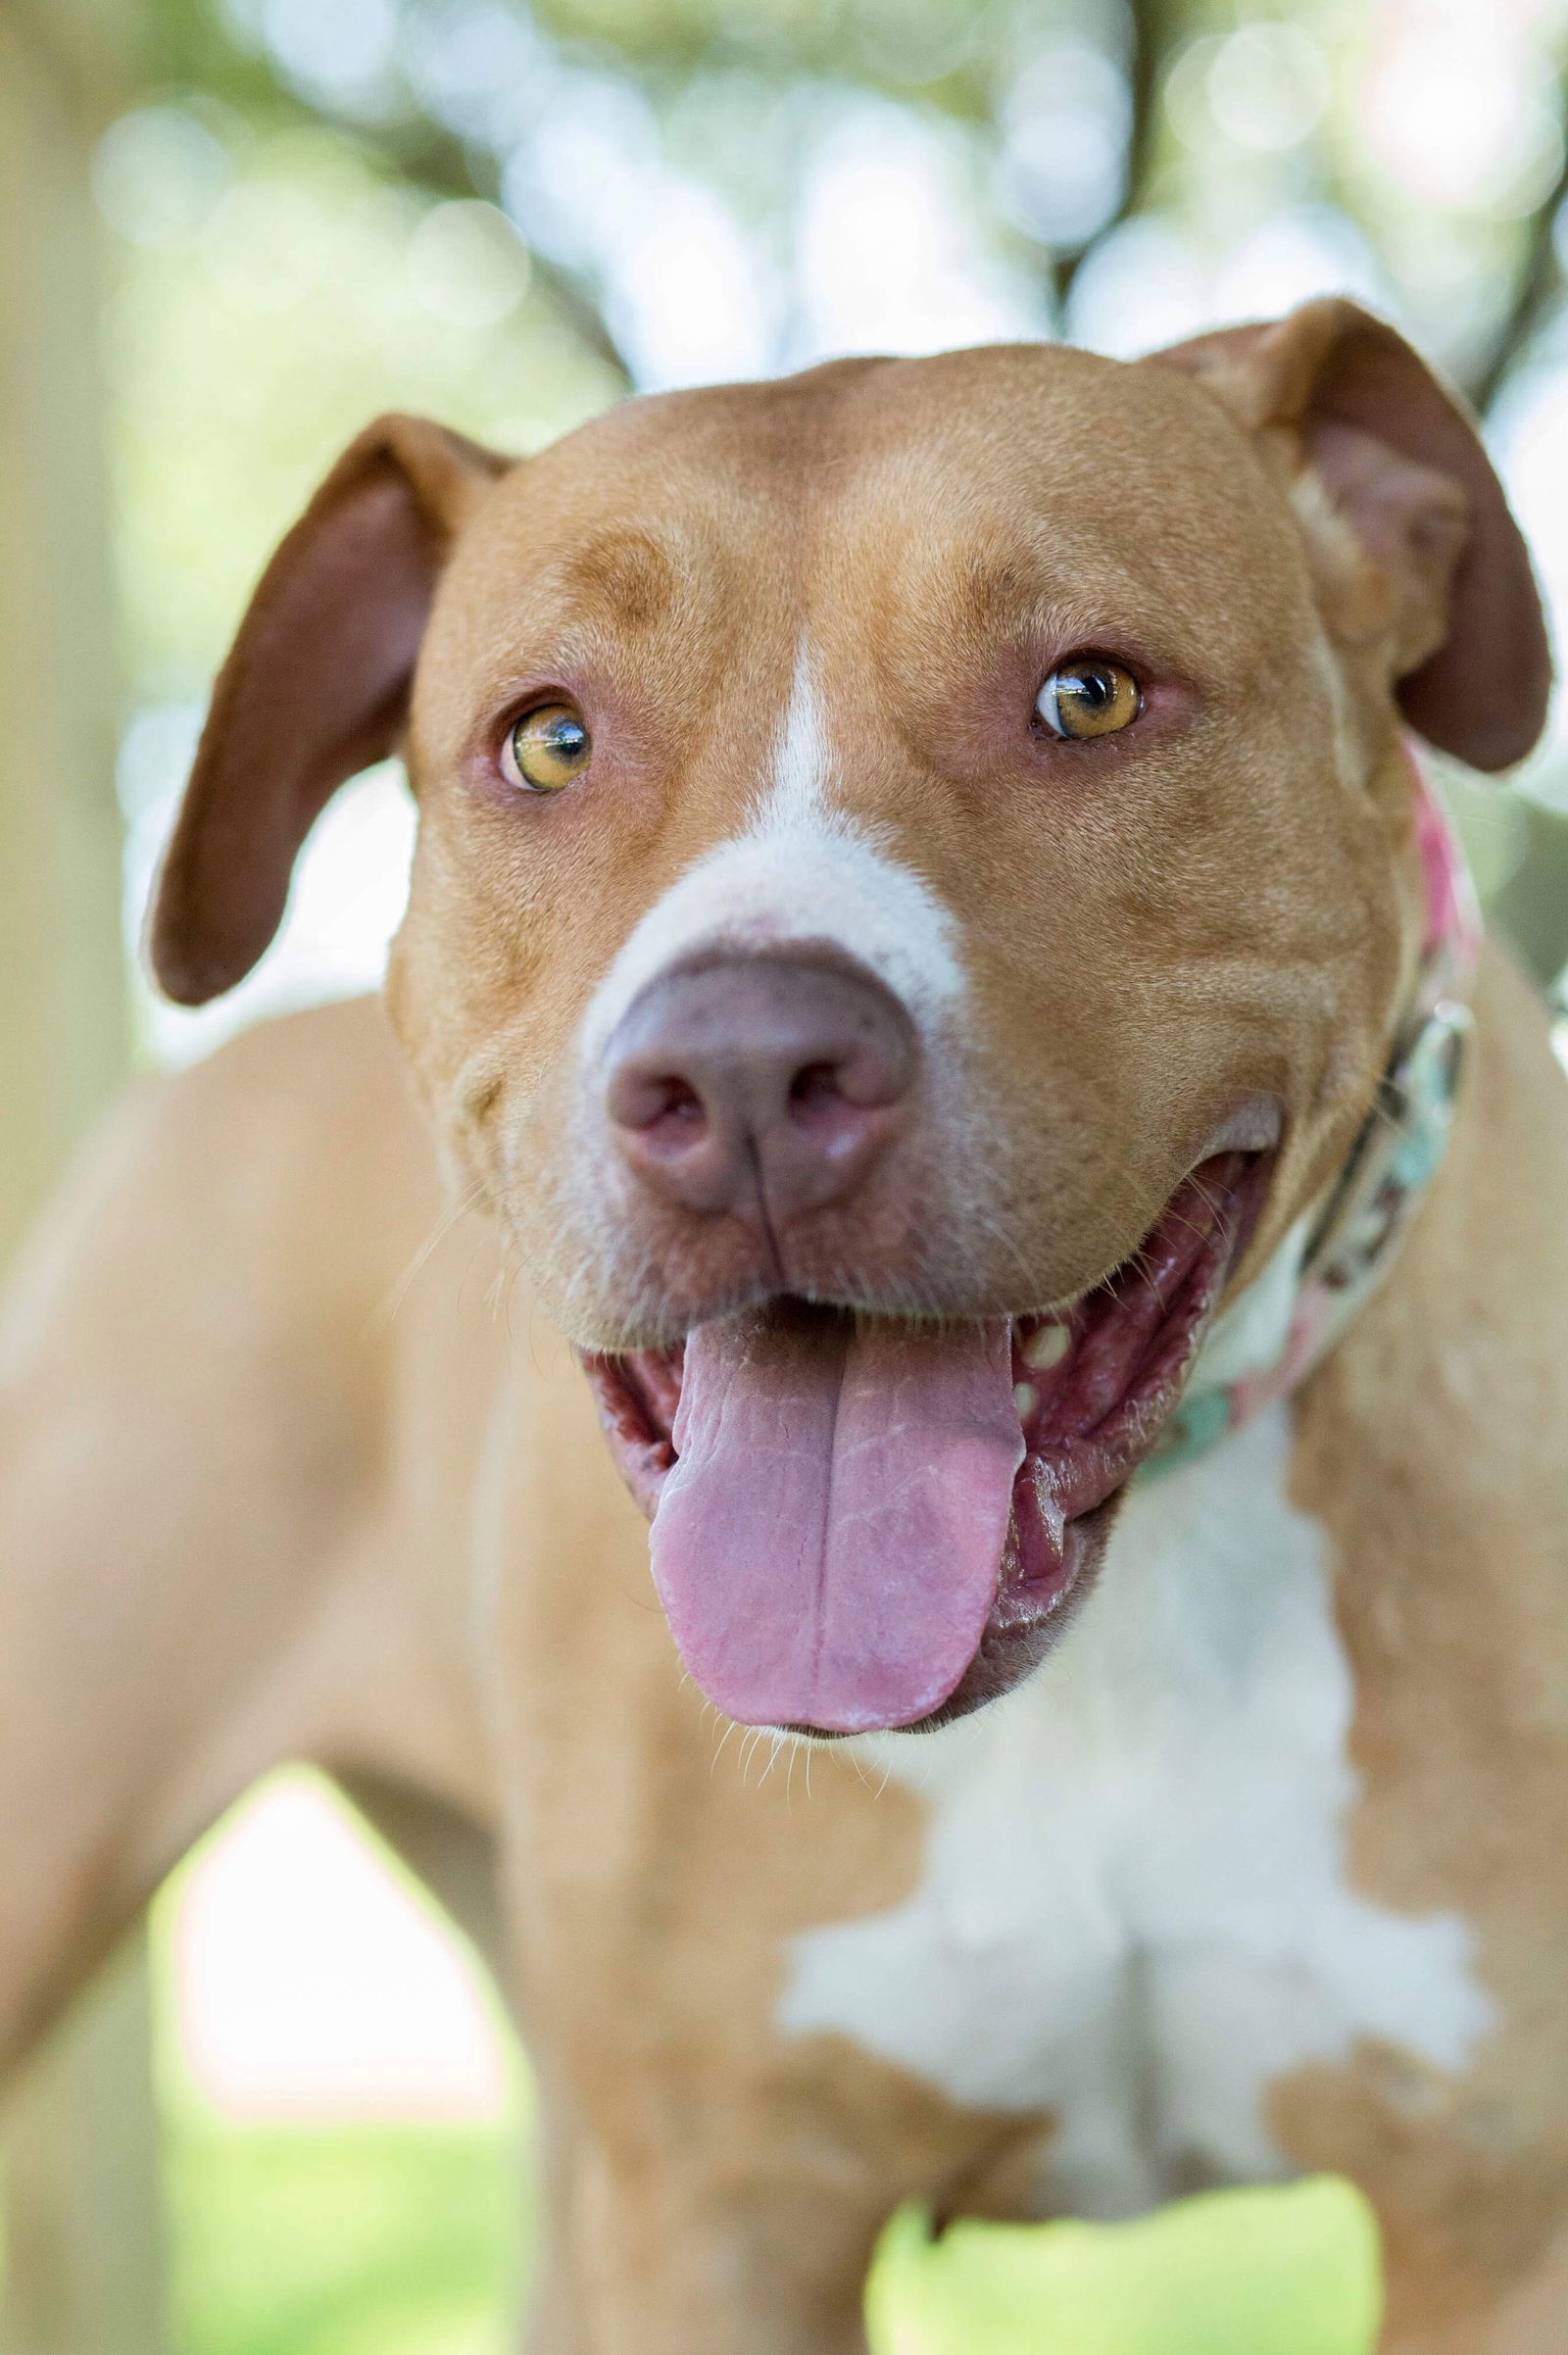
859 1524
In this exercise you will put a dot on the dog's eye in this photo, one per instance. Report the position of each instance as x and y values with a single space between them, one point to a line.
1088 697
546 750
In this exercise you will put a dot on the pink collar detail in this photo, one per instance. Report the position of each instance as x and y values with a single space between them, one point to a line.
1336 1256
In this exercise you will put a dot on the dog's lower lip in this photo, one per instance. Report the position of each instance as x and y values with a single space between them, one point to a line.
1094 1383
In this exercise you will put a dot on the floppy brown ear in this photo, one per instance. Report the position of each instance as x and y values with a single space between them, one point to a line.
1400 461
314 688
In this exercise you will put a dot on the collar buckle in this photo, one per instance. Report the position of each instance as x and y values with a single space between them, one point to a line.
1396 1155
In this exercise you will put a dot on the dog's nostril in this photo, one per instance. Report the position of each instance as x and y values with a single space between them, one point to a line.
683 1107
656 1103
816 1088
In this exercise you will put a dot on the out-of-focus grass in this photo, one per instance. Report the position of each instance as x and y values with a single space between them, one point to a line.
1293 2270
394 2240
337 2237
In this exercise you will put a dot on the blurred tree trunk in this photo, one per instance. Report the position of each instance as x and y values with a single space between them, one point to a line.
84 2214
83 2272
62 1020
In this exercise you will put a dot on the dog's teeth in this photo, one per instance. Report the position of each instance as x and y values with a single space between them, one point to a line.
1026 1399
1047 1347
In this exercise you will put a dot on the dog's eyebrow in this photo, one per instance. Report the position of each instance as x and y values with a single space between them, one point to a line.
1002 590
630 573
1049 582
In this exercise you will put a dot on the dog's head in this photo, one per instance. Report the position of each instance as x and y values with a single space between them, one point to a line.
915 887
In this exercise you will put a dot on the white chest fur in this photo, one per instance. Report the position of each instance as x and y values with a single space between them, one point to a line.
1134 1909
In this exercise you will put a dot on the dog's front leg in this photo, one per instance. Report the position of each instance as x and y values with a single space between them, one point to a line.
698 2211
649 2249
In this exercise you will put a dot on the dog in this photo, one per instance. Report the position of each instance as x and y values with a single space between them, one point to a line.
937 1016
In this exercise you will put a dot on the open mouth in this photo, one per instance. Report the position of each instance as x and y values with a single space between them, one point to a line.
862 1523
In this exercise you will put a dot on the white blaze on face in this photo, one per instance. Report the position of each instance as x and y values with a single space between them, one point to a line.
1135 1910
801 869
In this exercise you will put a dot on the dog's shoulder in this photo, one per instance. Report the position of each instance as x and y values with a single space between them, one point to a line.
284 1179
329 1071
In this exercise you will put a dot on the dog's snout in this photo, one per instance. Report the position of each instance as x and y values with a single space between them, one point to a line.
756 1085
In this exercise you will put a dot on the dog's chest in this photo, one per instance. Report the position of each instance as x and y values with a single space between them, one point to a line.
1134 1911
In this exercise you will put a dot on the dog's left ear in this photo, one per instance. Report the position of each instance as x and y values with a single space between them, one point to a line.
1399 461
316 688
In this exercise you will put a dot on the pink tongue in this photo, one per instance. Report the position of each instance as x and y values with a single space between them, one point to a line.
827 1545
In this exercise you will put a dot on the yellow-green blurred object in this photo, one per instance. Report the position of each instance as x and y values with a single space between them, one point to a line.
1295 2270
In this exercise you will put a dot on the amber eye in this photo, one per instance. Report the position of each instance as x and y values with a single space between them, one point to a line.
1088 697
546 750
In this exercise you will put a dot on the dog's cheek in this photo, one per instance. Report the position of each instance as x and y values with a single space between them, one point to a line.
521 1124
456 1066
409 1006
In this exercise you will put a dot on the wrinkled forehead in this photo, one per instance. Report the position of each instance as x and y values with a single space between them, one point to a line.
995 494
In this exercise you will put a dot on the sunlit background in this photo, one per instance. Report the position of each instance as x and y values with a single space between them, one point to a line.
318 209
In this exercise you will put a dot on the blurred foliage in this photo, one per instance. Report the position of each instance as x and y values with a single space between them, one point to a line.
260 323
1222 131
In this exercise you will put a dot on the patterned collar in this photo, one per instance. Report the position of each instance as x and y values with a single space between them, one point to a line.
1335 1256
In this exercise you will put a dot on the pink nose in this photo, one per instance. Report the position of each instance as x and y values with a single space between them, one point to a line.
767 1086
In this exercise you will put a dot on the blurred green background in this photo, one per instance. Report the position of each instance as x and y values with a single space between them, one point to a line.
393 2240
306 2216
234 229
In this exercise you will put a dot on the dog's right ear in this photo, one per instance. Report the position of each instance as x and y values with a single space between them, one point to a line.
315 689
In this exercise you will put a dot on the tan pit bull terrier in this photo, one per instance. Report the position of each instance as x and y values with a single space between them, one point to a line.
932 975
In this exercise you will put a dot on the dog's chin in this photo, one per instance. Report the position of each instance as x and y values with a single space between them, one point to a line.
1092 1385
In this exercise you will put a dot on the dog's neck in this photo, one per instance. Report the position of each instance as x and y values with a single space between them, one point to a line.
1338 1252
